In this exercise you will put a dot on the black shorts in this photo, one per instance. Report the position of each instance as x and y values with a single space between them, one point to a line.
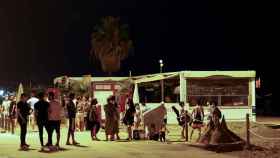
55 125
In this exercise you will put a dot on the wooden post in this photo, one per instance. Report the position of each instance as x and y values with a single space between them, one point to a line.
247 131
186 129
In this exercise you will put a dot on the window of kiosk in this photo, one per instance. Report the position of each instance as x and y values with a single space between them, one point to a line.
172 90
224 92
150 92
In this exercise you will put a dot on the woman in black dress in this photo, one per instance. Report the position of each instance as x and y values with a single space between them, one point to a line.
128 119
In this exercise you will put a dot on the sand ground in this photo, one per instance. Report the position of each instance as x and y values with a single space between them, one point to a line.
174 147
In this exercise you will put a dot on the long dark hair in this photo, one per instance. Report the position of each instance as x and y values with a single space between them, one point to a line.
94 101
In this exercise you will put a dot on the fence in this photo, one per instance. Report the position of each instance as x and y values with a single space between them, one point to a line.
250 132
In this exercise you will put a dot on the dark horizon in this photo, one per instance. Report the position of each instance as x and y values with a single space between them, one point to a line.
41 40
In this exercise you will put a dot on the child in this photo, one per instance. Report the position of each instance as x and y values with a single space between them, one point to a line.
153 134
137 117
163 130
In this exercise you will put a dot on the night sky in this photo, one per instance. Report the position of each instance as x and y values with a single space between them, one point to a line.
42 39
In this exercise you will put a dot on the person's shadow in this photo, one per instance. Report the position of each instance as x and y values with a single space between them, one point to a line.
52 150
79 145
26 149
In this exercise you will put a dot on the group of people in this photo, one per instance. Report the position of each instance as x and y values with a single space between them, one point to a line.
196 118
8 114
85 113
47 114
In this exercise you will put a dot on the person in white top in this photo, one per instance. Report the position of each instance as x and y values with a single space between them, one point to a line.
6 104
32 101
54 117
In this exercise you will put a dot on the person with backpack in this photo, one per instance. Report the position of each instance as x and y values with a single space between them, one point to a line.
198 117
94 118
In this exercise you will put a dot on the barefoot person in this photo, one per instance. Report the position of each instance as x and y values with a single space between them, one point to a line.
32 101
41 116
71 108
94 118
128 119
112 119
13 115
198 117
54 114
23 111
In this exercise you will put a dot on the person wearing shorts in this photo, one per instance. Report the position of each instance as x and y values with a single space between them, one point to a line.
71 108
54 114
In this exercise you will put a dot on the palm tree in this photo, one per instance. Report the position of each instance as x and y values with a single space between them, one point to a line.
110 44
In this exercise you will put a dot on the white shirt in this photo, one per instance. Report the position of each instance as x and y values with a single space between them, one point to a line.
32 101
6 105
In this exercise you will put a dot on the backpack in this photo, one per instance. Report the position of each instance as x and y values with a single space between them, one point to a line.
92 116
198 115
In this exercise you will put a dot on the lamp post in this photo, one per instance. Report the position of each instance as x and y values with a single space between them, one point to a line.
161 81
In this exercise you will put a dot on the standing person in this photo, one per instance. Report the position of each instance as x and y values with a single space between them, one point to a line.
1 115
198 117
137 116
41 116
23 111
13 114
215 113
163 131
6 104
71 108
94 118
31 101
128 119
54 114
111 122
86 110
80 113
184 116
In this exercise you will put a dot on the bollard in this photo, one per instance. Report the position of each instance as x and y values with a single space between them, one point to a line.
247 132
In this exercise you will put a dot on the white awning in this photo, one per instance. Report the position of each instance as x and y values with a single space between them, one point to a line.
156 77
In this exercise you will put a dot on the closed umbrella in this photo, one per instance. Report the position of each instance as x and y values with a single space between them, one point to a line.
136 94
19 92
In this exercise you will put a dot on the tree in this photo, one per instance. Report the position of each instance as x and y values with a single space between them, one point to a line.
110 44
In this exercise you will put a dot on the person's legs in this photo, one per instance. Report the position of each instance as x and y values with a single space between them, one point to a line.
7 120
73 132
23 133
92 130
129 132
40 128
50 126
199 134
33 121
77 122
183 132
69 131
191 133
97 127
82 122
57 130
12 125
